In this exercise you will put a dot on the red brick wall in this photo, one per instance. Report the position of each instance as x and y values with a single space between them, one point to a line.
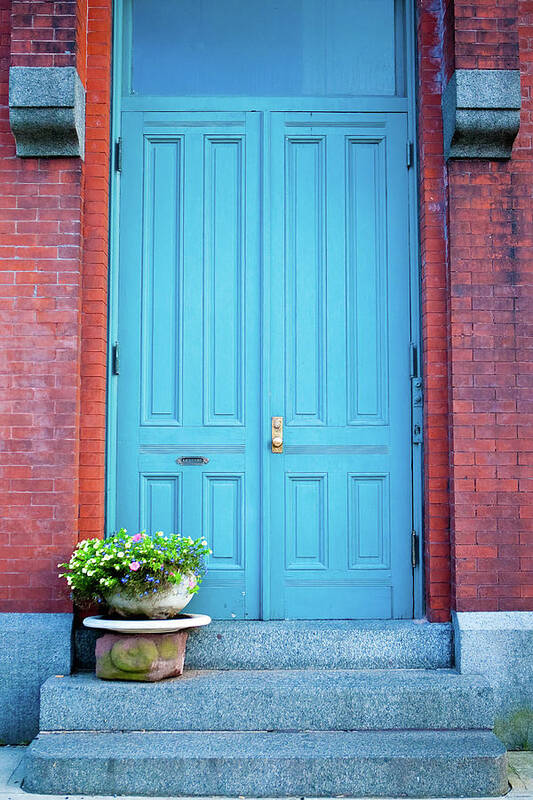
52 292
81 39
477 304
95 267
43 33
434 39
40 282
476 229
486 34
491 335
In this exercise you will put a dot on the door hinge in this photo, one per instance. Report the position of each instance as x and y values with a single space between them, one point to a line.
410 154
115 363
118 155
417 433
417 396
414 548
414 367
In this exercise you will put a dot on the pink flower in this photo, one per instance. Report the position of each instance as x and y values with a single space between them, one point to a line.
134 566
192 583
137 538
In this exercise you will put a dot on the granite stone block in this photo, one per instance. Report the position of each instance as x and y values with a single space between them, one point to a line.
481 113
250 700
302 644
499 645
47 111
269 764
32 648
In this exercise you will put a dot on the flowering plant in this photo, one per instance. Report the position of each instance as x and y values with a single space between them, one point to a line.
134 565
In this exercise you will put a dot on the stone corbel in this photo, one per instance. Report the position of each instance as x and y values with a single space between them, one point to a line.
47 111
481 113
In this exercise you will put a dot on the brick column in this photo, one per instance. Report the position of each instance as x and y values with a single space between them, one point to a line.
52 310
491 337
95 270
435 54
40 295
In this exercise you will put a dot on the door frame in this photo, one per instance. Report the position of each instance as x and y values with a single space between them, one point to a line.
119 49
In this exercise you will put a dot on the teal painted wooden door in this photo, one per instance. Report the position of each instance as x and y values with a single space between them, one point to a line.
340 494
190 376
264 272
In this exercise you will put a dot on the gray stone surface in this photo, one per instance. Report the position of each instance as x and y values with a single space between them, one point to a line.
360 764
47 111
271 700
302 644
499 645
32 647
519 773
481 113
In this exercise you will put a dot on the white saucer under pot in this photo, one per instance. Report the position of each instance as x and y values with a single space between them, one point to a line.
147 625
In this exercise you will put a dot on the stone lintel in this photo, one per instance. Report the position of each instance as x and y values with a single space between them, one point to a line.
481 113
47 111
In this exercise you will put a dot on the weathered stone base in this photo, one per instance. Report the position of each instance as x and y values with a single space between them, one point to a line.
32 648
499 645
140 657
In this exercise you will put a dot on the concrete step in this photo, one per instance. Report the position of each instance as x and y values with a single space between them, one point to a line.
263 700
316 764
302 644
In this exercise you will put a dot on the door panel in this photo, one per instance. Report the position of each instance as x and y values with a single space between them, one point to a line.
264 271
340 496
189 306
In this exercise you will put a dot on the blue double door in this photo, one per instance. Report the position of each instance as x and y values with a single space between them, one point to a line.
264 272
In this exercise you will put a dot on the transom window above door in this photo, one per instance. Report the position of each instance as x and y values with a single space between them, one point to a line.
313 48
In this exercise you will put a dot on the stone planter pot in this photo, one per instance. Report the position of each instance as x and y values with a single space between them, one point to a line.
163 604
142 649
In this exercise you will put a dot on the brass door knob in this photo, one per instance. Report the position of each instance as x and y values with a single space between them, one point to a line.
277 434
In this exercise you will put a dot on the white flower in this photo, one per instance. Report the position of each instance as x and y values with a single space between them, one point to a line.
84 570
121 554
107 557
102 580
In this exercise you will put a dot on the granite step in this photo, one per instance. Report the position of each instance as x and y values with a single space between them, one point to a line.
231 764
263 700
302 644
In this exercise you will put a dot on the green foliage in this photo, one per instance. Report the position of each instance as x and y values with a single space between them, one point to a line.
134 565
